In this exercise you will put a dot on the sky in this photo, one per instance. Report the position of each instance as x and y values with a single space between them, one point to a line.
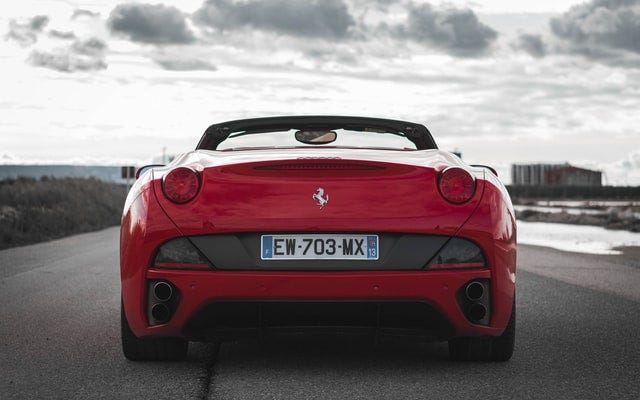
119 82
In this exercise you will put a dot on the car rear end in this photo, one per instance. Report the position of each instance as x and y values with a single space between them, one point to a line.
220 245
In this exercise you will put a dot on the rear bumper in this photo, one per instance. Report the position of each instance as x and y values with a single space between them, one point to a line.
230 319
370 290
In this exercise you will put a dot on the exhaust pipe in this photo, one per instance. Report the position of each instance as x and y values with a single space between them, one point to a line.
160 313
162 291
476 312
474 291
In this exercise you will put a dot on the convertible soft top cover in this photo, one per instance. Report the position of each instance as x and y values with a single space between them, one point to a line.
416 133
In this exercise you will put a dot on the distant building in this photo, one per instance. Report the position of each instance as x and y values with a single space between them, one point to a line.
554 175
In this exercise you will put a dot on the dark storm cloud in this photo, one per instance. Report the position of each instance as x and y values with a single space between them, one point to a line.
150 23
457 31
26 33
82 55
328 19
600 29
532 44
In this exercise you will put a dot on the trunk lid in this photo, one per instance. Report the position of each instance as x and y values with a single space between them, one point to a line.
332 190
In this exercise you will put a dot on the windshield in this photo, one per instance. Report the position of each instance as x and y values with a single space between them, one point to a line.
344 138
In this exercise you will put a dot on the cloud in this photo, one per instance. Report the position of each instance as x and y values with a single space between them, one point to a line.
183 64
632 161
532 44
325 19
64 61
457 31
84 13
38 22
7 158
92 46
150 23
26 33
82 55
600 29
66 35
624 171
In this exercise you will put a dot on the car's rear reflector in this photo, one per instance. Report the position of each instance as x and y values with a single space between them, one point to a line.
181 185
456 185
458 253
179 253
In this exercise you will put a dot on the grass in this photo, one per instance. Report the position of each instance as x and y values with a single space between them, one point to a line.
36 210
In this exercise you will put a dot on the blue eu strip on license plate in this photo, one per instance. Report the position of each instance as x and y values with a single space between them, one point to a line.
319 247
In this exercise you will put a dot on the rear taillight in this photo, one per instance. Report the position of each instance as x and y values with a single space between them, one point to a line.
181 185
456 185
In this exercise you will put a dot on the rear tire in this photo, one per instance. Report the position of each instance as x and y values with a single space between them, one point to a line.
156 349
486 349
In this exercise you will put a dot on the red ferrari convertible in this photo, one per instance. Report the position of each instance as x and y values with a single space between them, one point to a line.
318 224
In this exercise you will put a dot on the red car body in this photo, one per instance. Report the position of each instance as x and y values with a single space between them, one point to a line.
227 290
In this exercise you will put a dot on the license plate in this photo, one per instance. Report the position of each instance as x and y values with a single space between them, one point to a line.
319 247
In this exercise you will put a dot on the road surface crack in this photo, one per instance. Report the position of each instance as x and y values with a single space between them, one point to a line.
209 364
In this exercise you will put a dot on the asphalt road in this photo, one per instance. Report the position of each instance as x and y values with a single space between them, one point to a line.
577 338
